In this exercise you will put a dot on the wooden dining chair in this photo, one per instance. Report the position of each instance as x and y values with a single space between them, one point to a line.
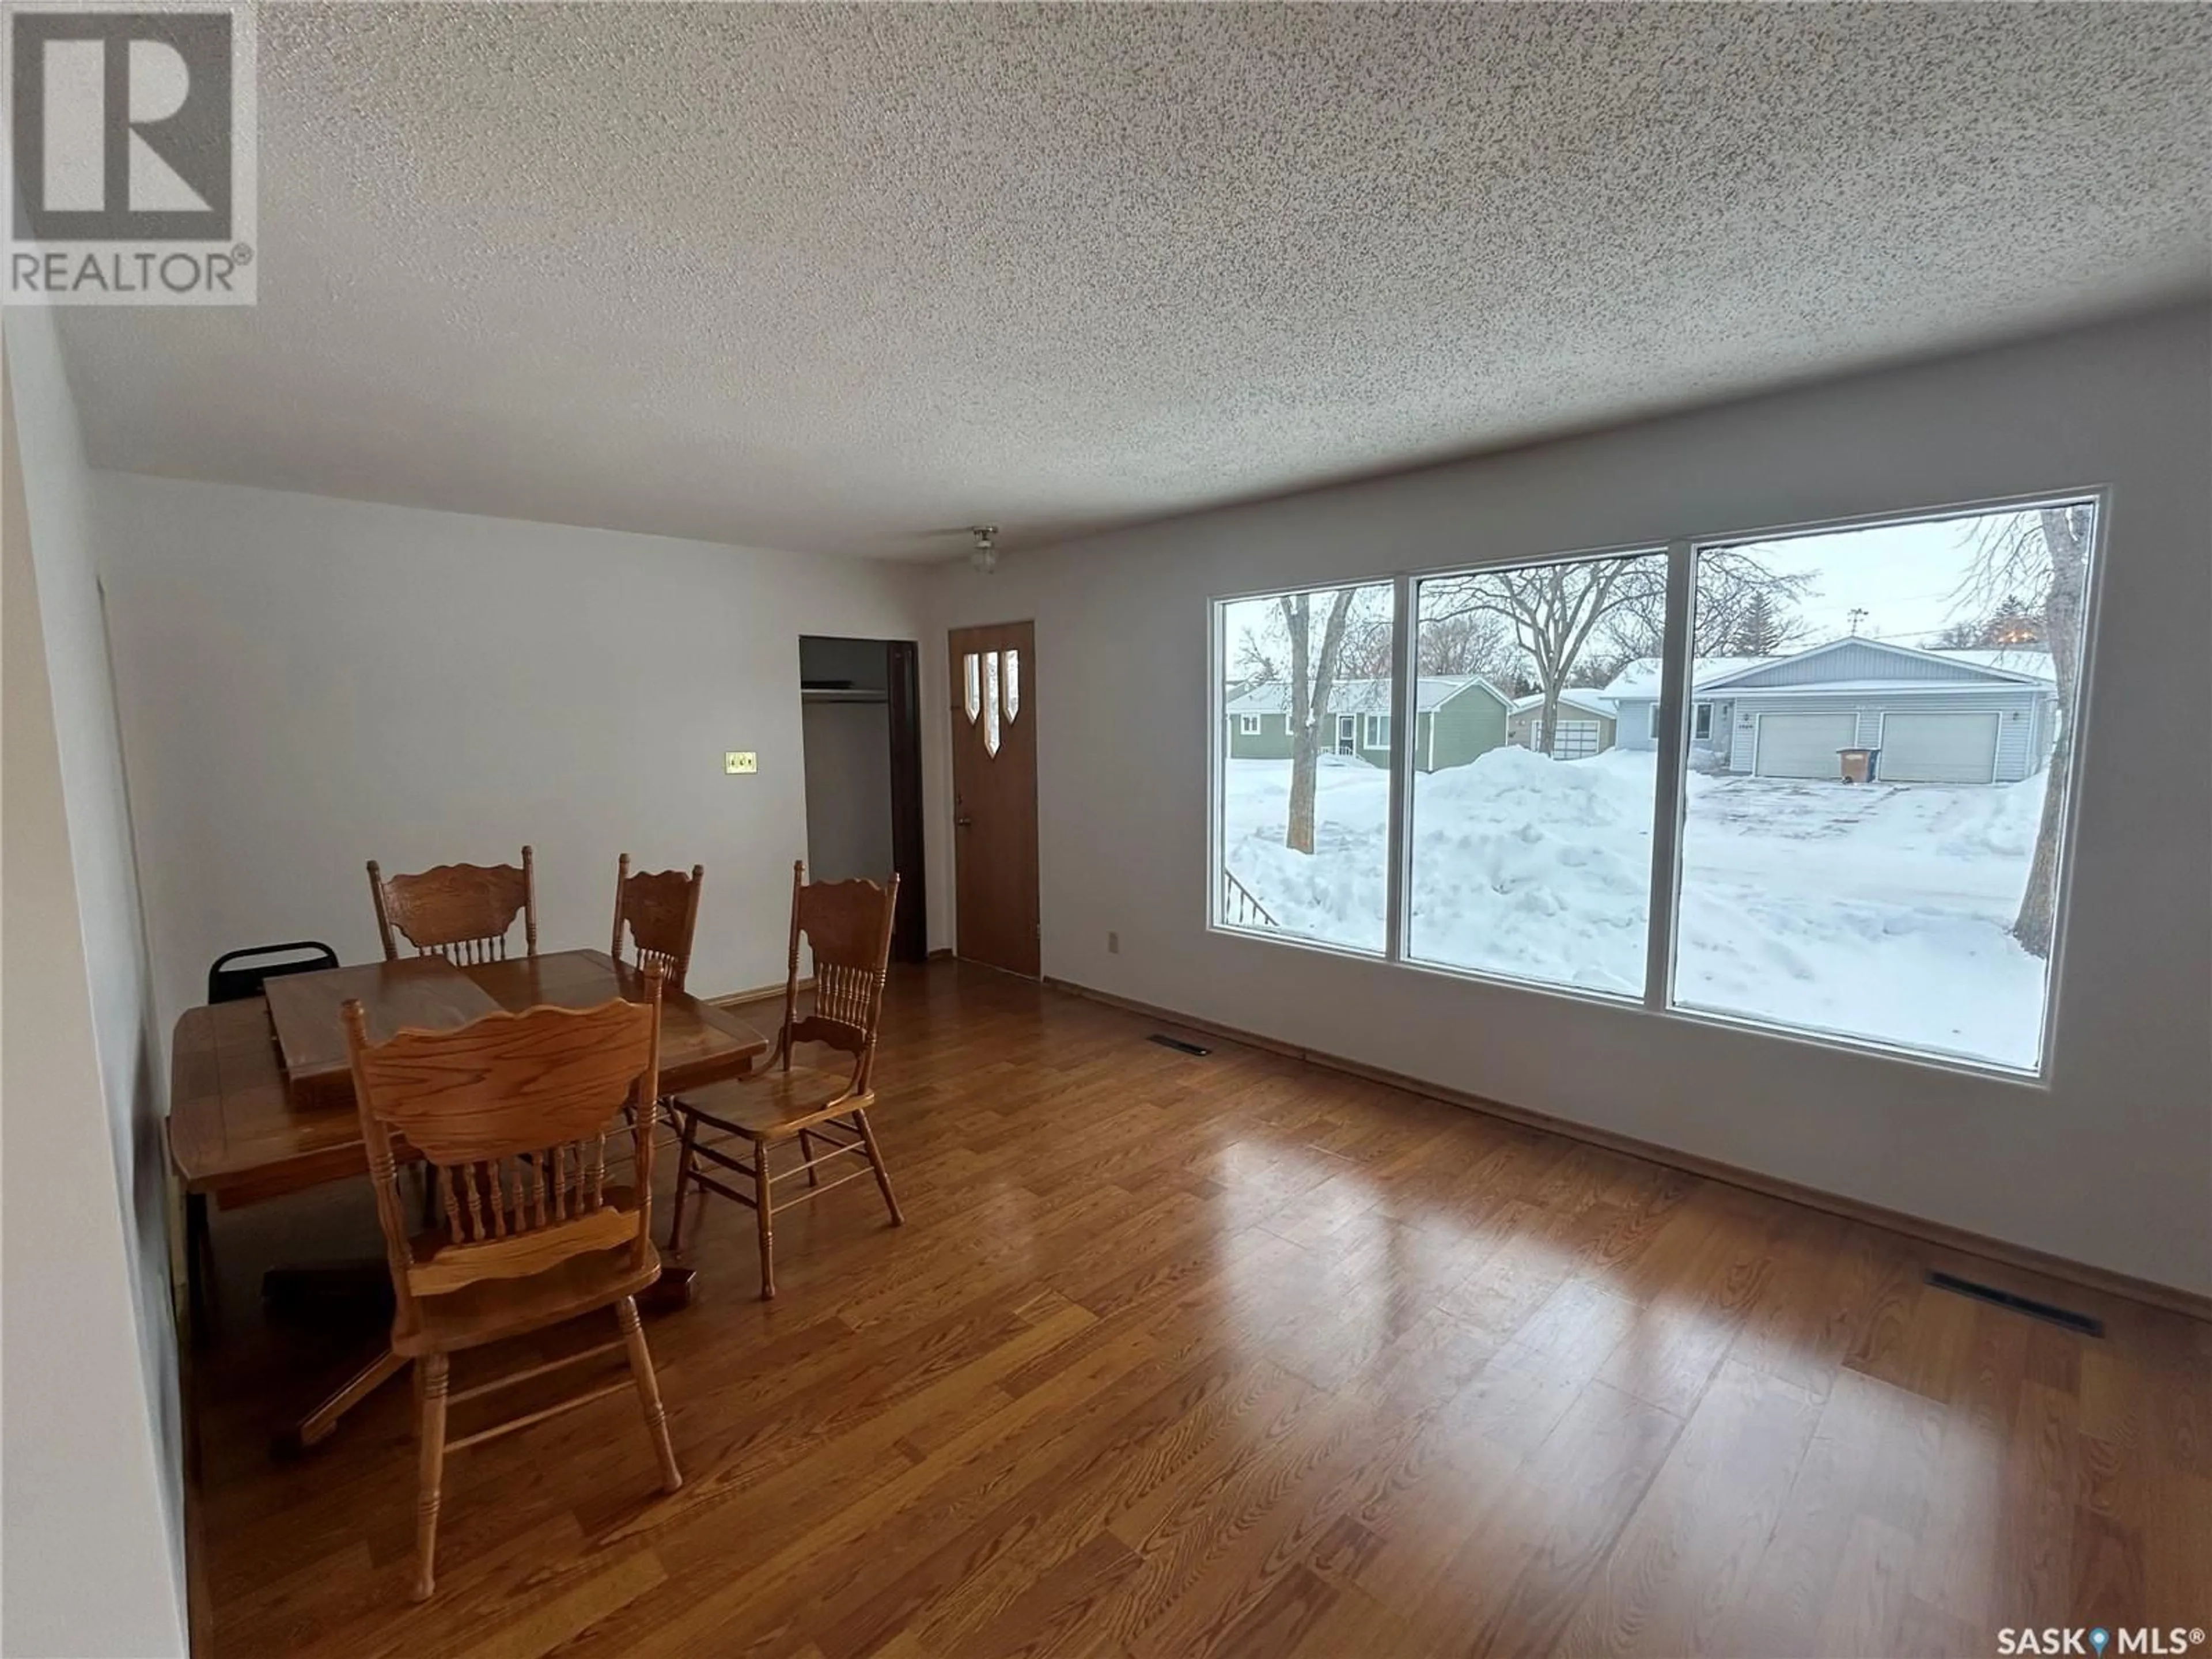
512 1114
848 926
662 911
463 912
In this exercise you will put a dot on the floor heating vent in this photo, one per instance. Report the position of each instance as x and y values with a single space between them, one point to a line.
2026 1305
1177 1044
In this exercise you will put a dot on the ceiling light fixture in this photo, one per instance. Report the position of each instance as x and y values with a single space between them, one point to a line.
985 558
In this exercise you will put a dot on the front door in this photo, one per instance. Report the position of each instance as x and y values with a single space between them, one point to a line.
994 824
1347 734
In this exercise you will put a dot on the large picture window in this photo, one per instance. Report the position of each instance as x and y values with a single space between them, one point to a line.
1822 779
1531 859
1303 786
1872 830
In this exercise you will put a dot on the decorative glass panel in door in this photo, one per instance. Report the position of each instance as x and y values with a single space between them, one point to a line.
991 703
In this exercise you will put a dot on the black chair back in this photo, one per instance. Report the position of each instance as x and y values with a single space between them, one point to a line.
228 984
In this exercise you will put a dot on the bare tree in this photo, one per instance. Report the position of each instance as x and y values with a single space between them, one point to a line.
1553 611
1313 675
1370 638
1259 661
1468 642
1958 636
1729 580
2044 551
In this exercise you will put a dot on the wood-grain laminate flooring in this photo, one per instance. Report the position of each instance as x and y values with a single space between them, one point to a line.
1235 1356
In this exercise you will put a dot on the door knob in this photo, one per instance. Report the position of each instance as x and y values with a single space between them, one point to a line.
961 822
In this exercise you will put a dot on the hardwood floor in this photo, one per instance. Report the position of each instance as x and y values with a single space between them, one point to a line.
1233 1356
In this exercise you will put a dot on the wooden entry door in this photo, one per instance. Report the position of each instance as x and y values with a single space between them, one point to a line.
995 823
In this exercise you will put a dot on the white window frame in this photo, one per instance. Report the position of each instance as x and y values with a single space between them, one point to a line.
1672 737
1218 755
1659 985
1248 726
1375 732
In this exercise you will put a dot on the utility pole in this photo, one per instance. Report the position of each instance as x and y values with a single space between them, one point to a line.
1858 616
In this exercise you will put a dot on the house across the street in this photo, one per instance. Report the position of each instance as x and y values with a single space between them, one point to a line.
1585 725
1459 717
1934 716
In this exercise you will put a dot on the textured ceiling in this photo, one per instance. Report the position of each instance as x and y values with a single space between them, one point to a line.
831 278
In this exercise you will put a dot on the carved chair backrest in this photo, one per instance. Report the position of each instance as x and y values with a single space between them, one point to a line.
463 912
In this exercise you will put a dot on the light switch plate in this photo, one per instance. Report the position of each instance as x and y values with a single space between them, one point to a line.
740 759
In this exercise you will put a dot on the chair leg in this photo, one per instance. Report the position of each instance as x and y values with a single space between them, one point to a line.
806 1153
648 1392
684 1175
876 1160
764 1208
431 1464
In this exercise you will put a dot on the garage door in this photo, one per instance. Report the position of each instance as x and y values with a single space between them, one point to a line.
1803 746
1939 748
1575 741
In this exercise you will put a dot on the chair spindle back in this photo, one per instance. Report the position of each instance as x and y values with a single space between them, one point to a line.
662 910
512 1114
847 926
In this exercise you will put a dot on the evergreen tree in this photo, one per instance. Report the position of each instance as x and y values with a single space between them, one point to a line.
1758 631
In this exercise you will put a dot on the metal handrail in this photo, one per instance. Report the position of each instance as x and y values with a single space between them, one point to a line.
1240 907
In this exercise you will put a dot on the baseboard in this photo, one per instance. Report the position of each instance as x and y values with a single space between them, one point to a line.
758 994
2169 1297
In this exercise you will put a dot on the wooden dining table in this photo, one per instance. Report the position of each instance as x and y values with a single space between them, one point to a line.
261 1091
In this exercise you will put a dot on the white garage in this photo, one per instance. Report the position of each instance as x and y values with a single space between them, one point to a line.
1938 748
1803 746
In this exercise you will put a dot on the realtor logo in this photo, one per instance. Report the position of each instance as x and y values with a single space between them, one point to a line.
130 152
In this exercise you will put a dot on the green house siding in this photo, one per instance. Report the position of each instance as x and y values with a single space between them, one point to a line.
1271 742
1472 723
1466 726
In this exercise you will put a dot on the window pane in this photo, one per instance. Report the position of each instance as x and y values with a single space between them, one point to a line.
990 702
1532 857
1305 805
972 669
1013 685
1870 836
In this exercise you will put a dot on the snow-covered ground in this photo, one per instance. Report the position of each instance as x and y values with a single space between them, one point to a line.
1880 911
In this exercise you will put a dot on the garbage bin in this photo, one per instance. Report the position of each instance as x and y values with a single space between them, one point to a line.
1858 764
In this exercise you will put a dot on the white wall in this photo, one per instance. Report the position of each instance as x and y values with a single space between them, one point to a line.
2111 1166
93 1540
307 684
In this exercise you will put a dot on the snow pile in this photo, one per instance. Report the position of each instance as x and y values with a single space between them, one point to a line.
1880 911
1338 894
1535 868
